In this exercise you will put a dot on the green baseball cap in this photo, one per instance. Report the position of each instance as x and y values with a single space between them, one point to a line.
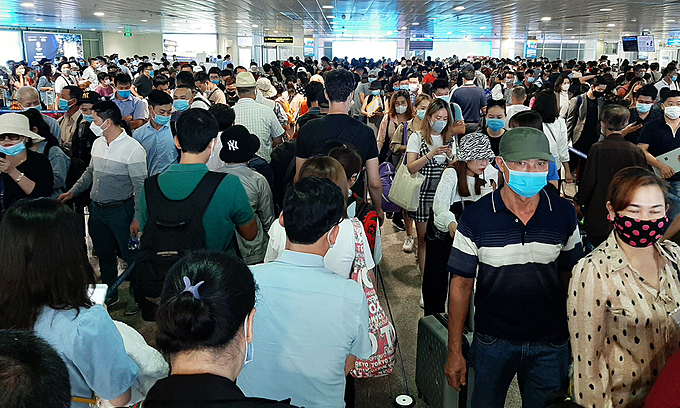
524 143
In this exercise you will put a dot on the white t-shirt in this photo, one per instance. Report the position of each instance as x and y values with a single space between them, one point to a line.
338 259
413 145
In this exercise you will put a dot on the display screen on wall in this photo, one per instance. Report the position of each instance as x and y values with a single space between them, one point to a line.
365 48
630 44
531 47
189 45
52 45
421 45
11 46
278 40
309 47
645 43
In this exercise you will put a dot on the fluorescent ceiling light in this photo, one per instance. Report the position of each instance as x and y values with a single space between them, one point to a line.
611 25
121 27
390 33
93 29
330 16
670 21
546 18
459 8
449 33
463 31
415 24
276 32
119 31
606 9
266 29
99 14
255 26
572 37
238 21
328 7
482 28
568 29
38 19
432 18
507 24
143 21
27 4
404 28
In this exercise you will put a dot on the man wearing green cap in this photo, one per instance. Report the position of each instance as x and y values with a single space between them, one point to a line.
517 242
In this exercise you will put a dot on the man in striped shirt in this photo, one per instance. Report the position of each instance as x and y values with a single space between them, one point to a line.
516 242
116 175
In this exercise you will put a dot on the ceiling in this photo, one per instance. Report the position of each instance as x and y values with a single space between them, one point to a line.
361 18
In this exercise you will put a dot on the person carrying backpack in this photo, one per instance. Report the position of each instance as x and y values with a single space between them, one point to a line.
188 208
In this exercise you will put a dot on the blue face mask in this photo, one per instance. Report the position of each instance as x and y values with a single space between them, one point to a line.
421 114
215 81
495 124
525 183
396 88
151 73
161 120
530 79
88 118
63 104
181 105
404 87
124 94
371 80
674 77
643 107
14 149
375 92
444 98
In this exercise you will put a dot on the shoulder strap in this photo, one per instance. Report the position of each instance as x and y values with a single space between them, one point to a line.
205 190
405 132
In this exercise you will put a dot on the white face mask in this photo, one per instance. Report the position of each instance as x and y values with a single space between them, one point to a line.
400 109
413 87
565 87
96 129
672 112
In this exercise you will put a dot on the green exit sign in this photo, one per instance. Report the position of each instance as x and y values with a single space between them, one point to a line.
128 34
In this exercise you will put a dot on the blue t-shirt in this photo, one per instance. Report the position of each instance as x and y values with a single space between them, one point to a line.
308 321
93 350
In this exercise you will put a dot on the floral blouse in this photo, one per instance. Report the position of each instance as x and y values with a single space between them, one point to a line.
621 330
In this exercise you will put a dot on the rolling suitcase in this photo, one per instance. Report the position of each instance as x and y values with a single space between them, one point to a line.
432 352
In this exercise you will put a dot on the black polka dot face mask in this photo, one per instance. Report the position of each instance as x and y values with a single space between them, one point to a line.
639 233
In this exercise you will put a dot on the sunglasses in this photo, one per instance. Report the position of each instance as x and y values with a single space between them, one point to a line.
10 136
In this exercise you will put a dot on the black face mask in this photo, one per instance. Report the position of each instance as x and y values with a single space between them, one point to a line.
598 94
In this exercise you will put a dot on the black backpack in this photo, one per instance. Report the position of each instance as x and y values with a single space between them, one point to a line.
174 228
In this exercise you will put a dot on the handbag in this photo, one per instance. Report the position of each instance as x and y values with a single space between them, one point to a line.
405 191
380 329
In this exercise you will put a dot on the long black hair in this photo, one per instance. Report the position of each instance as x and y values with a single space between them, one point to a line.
35 120
42 262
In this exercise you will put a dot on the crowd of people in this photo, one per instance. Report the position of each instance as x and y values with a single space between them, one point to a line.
248 205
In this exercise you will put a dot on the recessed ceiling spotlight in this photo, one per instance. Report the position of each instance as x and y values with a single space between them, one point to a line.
238 21
415 24
93 29
568 29
99 14
633 20
507 24
404 28
26 4
670 21
330 16
328 7
390 33
266 29
119 31
572 37
121 27
255 25
449 33
276 32
144 21
611 25
482 28
38 19
546 18
463 31
459 8
606 9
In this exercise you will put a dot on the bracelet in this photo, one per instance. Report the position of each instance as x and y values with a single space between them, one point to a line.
18 179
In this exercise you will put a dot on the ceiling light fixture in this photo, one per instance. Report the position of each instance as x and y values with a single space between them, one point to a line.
611 25
328 7
119 31
238 21
38 19
459 8
266 29
507 24
670 21
432 18
568 29
255 25
415 24
276 32
606 9
449 33
633 20
27 4
482 28
121 27
330 16
572 37
546 18
144 21
390 33
463 31
99 14
93 29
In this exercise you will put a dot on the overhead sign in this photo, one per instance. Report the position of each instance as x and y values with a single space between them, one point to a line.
309 47
418 44
52 45
278 40
531 48
674 42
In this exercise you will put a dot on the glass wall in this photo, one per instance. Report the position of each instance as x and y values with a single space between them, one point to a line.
582 50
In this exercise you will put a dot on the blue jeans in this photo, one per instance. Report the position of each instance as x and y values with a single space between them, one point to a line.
261 166
674 196
541 368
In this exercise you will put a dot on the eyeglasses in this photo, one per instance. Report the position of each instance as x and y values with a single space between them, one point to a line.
11 136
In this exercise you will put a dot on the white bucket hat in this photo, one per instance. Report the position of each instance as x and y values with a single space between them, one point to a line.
265 86
18 125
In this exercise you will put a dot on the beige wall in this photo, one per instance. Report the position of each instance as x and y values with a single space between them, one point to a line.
140 44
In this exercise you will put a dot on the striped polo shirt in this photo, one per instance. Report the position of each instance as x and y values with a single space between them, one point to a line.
519 293
116 171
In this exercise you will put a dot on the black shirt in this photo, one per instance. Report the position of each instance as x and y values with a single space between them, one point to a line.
144 85
495 141
36 168
202 391
635 115
320 134
590 132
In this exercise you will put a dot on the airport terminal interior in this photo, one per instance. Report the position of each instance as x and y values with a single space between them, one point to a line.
339 203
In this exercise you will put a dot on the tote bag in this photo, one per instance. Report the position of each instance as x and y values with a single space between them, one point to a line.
405 191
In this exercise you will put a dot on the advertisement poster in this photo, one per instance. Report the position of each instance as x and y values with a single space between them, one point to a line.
309 47
531 47
52 46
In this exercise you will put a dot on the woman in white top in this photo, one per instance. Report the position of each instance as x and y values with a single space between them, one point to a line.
429 151
463 182
340 257
555 128
562 95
